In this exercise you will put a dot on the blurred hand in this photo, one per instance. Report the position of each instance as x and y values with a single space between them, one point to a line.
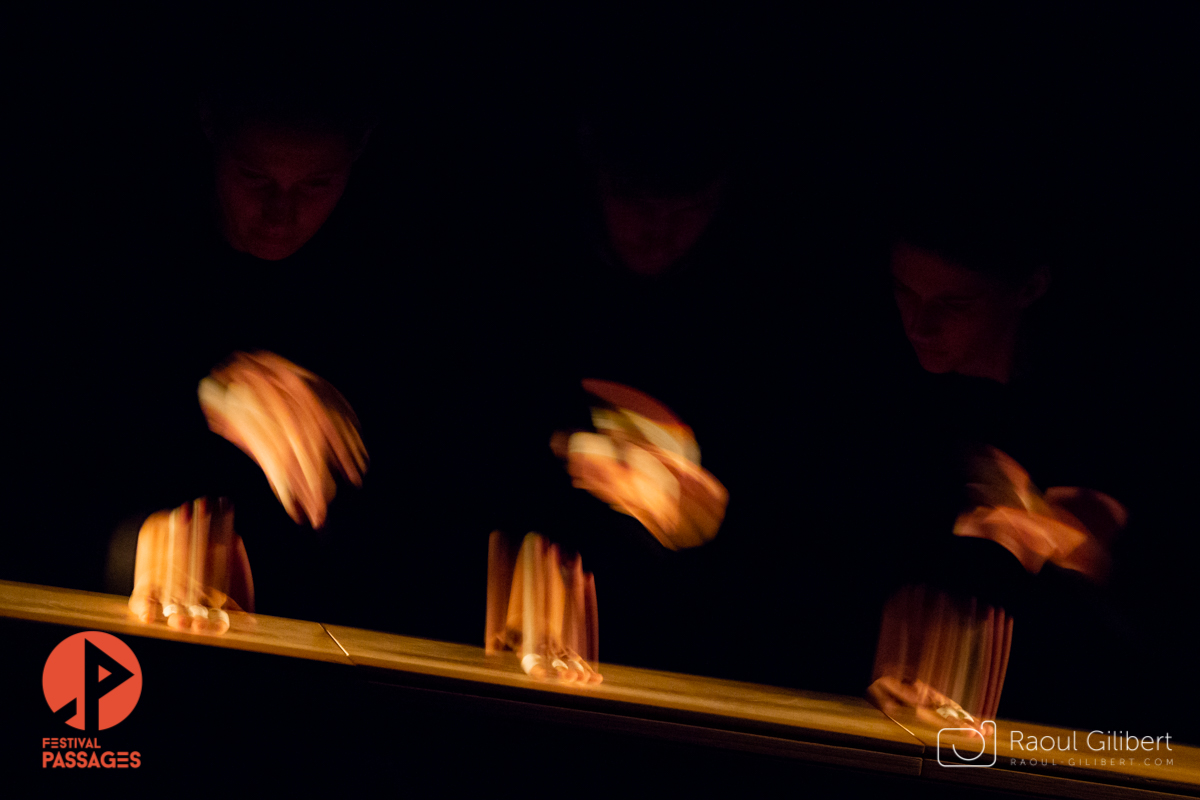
542 609
890 695
191 568
1068 526
643 461
295 426
944 657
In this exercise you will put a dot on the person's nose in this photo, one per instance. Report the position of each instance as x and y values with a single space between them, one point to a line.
279 208
654 235
926 323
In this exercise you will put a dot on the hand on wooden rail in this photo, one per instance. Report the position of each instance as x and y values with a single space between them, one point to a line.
191 569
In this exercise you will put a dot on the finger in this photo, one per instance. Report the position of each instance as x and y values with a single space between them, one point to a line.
591 447
574 629
698 484
651 524
340 428
564 672
535 666
500 575
230 584
301 452
149 567
656 492
587 674
314 428
671 439
210 621
328 411
556 596
514 620
533 601
556 611
198 574
144 607
259 422
175 577
220 544
349 449
245 424
591 619
241 580
207 582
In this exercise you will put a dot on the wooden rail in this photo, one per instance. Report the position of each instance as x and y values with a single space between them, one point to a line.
709 713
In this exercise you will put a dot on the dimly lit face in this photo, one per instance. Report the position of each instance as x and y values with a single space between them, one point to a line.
652 233
276 187
957 320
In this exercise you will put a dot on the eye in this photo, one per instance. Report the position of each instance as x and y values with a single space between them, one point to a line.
254 179
319 183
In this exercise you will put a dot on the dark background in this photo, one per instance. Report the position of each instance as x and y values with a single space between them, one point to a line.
463 183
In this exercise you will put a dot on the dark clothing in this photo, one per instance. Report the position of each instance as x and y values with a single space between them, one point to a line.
740 361
1070 647
398 341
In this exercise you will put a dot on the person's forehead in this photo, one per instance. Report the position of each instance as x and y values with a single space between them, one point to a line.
275 148
664 201
666 204
929 273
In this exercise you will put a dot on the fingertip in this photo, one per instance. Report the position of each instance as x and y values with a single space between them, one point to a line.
143 609
563 672
152 612
214 623
218 620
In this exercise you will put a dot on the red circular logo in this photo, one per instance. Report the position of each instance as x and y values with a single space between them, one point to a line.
92 681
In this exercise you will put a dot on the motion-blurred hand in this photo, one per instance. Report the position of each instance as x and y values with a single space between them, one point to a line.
191 568
542 609
890 695
295 426
942 657
1067 526
643 461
